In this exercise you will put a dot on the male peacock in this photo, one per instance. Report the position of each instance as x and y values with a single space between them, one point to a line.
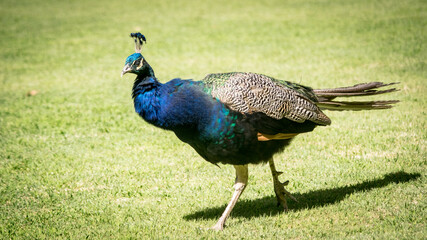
238 118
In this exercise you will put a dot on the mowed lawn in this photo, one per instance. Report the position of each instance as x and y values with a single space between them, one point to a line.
76 162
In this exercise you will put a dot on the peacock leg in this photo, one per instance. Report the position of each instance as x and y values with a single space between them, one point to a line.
279 188
239 186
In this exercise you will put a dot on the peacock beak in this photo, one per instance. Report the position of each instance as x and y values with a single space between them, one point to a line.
127 68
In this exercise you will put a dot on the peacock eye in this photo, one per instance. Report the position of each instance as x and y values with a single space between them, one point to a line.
137 62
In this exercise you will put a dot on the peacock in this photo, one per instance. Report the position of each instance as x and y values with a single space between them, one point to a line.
239 118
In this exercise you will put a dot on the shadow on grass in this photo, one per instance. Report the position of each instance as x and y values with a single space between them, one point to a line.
318 198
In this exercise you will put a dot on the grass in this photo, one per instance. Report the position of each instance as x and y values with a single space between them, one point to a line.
76 161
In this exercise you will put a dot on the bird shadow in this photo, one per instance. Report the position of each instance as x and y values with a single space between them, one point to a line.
318 198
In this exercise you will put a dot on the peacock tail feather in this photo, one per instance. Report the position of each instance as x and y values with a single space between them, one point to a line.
326 97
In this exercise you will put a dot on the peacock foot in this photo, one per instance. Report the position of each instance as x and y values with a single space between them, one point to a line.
281 192
218 226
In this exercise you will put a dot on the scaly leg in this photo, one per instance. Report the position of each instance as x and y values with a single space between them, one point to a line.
279 188
239 186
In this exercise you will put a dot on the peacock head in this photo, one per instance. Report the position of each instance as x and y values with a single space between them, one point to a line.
136 63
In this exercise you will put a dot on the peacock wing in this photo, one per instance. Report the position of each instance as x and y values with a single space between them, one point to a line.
252 93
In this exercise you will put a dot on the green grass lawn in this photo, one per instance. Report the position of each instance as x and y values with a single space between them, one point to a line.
76 161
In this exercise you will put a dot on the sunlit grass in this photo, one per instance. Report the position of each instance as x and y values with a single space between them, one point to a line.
77 162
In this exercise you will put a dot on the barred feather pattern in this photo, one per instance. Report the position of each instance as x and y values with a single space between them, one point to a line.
250 92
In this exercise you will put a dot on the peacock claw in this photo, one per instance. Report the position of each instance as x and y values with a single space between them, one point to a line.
282 193
279 187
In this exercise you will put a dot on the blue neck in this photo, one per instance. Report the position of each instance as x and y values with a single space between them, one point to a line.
144 94
144 80
175 104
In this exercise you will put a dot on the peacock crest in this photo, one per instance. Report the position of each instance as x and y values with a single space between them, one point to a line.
139 41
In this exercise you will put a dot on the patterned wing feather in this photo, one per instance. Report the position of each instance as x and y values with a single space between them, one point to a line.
250 92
